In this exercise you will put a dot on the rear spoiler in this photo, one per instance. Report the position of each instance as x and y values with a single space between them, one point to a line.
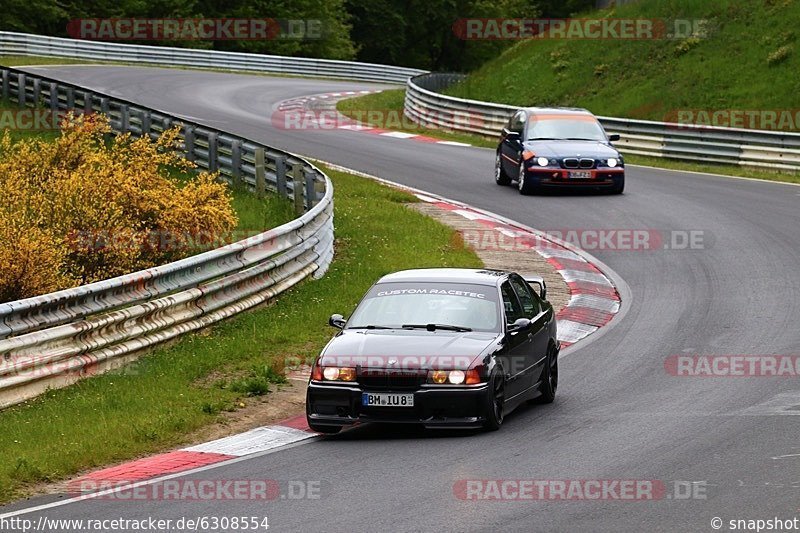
538 280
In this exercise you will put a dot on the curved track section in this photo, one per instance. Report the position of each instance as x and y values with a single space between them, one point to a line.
621 413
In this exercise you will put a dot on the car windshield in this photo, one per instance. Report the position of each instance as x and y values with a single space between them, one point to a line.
414 305
578 128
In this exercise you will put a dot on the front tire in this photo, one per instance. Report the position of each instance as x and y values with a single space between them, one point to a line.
496 400
524 184
500 176
618 187
550 382
329 430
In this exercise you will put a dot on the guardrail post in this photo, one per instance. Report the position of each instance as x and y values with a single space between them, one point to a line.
88 98
261 173
236 162
104 106
297 183
6 94
21 89
311 192
213 161
70 99
188 142
54 98
124 118
166 125
37 91
280 176
146 123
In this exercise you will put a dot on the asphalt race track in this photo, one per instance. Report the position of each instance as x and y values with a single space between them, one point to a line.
619 415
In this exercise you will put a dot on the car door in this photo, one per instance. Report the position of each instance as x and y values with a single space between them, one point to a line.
511 145
538 332
519 344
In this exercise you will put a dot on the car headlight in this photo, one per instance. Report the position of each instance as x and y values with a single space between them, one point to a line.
333 373
454 377
542 161
612 162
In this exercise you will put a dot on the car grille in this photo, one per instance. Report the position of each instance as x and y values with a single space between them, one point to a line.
574 162
394 380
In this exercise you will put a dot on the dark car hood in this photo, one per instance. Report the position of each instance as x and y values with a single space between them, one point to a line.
558 149
411 349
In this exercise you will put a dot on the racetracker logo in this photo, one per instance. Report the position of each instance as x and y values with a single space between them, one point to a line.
754 119
386 119
498 29
618 240
733 366
201 489
37 119
577 490
195 29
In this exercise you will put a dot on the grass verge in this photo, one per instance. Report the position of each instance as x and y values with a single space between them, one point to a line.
154 403
392 102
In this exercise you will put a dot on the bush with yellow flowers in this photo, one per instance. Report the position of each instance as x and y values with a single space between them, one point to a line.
85 207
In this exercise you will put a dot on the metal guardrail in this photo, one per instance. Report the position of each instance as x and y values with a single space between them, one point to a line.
426 105
38 45
55 339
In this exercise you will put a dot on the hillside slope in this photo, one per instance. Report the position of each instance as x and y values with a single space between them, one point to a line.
747 60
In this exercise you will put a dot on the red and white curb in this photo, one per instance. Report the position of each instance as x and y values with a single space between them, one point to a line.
256 440
317 112
594 299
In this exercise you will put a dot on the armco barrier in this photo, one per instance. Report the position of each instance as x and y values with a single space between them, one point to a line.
55 339
426 105
38 45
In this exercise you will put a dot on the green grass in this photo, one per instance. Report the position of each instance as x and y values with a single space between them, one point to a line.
157 401
749 60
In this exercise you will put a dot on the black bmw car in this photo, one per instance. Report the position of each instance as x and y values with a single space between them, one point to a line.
558 147
439 347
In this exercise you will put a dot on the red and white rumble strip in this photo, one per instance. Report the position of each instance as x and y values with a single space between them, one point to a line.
594 300
250 442
317 112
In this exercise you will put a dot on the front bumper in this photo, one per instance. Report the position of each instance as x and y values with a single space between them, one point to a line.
556 177
436 406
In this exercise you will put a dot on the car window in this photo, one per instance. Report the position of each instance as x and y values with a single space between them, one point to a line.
530 307
518 122
511 304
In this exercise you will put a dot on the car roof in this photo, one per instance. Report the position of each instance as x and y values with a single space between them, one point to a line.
579 111
475 276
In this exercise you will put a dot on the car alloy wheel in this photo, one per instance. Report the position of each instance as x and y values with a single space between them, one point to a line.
500 176
494 417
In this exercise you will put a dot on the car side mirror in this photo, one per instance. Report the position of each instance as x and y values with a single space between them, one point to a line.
613 137
337 321
511 135
520 323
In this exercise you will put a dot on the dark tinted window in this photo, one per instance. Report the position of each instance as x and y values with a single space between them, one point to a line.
530 307
511 304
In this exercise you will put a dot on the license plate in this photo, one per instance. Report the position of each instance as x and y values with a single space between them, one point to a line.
387 400
580 175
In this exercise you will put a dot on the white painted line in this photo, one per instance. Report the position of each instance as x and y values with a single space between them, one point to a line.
548 251
453 143
253 441
570 331
355 127
580 275
399 134
472 215
594 302
428 199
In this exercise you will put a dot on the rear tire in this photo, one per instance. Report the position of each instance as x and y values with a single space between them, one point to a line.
496 403
525 186
500 176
